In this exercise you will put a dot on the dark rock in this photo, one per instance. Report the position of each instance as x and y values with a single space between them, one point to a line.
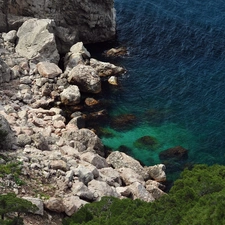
95 118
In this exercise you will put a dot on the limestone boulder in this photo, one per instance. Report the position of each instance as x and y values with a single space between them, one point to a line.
58 165
69 151
10 36
110 176
129 176
124 191
138 191
37 41
85 174
48 70
100 189
120 160
106 69
81 190
54 204
157 172
84 140
154 190
71 95
72 204
23 139
94 159
86 78
39 141
77 54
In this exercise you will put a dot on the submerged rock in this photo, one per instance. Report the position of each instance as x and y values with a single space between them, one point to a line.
146 142
176 153
123 122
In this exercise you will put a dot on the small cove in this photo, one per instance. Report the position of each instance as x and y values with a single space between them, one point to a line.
175 80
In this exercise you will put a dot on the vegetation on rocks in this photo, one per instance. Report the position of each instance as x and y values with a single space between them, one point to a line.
196 198
12 168
9 205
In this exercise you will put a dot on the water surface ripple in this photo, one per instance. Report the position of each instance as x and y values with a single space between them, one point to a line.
176 65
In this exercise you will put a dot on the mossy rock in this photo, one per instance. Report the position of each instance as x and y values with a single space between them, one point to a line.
146 142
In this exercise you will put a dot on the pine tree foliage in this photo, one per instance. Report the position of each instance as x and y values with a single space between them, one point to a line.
10 204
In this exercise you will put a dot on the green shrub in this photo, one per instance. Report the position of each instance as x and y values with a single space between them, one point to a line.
9 203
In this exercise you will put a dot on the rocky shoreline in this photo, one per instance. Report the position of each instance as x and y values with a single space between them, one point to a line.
64 165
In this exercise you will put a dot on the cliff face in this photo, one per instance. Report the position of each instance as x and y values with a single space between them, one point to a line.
89 21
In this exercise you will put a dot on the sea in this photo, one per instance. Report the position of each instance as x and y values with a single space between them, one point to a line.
175 80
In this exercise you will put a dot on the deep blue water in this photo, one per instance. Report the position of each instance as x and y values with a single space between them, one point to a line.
176 67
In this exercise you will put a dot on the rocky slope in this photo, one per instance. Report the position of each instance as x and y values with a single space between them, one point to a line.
64 164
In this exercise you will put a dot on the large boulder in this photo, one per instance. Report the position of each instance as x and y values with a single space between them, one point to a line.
54 204
86 78
106 69
129 176
157 172
48 70
138 191
37 41
88 21
94 159
70 95
100 189
77 54
84 140
72 204
120 160
6 134
81 190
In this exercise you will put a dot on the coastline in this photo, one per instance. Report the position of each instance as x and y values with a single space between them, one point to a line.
62 162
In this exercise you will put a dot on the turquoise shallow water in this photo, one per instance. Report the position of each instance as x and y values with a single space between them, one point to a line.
176 69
